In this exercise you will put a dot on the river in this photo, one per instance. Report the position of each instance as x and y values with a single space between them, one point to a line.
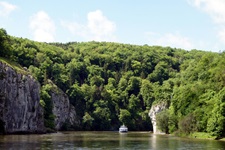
105 141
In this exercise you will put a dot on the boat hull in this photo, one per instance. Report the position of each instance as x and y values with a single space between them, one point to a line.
123 131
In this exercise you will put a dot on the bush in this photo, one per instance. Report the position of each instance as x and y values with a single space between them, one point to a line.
188 124
162 121
5 48
173 123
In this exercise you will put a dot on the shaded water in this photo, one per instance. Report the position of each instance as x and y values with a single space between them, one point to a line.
105 140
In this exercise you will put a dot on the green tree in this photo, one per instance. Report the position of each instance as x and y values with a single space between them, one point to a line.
87 121
102 119
76 97
133 86
160 73
77 71
5 49
216 121
125 117
59 76
162 121
147 93
49 121
188 125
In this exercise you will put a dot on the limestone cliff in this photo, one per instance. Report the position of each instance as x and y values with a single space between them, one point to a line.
20 110
155 109
63 111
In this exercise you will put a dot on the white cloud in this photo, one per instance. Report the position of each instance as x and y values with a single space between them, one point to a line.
169 39
42 27
6 8
98 27
216 10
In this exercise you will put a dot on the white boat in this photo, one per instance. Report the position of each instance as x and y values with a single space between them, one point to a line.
123 128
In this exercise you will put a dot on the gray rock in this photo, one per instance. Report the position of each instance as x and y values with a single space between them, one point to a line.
20 110
63 111
155 109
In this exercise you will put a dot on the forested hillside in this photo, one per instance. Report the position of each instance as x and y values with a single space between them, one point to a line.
111 83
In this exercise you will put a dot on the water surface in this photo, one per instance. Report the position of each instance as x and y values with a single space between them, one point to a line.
105 140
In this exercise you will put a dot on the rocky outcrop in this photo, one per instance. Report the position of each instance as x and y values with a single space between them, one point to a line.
63 111
20 110
155 109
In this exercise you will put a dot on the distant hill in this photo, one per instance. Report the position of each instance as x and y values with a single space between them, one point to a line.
111 84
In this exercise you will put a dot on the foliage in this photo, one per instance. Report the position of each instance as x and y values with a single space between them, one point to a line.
5 48
87 121
187 125
162 121
124 116
112 83
47 103
216 121
201 135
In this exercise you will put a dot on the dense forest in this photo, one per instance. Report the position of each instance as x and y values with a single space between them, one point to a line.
112 84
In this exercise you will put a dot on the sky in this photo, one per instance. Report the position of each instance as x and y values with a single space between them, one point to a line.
186 24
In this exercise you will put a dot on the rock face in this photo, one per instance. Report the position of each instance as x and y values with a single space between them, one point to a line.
20 110
63 111
155 109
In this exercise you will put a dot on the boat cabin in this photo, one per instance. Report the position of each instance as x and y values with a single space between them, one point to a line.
123 128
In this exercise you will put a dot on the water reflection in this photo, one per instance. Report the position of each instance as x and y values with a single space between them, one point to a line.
105 140
122 139
164 142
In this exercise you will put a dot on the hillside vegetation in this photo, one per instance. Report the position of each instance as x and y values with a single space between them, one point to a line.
112 83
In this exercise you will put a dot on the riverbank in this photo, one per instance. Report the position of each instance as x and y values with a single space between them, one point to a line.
204 135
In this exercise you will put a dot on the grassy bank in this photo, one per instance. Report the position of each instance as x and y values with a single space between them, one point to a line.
14 65
199 135
202 135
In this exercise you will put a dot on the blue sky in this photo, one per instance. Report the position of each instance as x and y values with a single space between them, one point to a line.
186 24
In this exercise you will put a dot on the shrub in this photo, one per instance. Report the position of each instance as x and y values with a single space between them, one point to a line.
162 121
188 124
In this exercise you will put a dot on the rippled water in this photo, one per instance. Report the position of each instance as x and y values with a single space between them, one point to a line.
105 140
